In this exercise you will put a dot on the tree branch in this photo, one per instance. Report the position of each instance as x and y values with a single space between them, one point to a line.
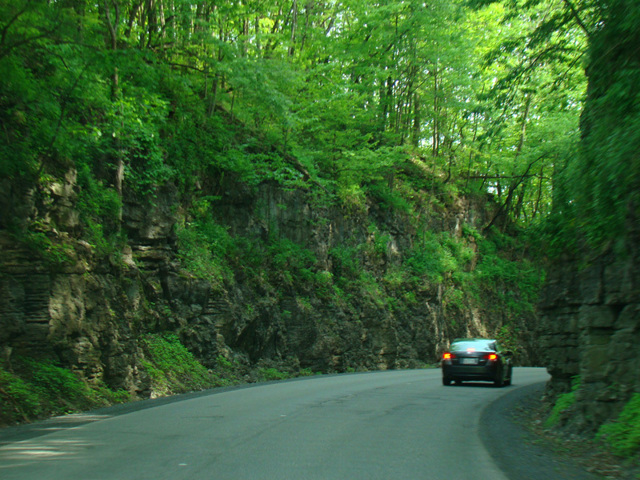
512 189
112 25
574 14
10 22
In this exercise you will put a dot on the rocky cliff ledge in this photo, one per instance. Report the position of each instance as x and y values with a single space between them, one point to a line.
349 307
590 331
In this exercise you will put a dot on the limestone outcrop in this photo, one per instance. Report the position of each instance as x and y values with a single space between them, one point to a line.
89 311
590 330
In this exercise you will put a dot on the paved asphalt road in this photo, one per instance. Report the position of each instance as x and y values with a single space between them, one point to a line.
381 425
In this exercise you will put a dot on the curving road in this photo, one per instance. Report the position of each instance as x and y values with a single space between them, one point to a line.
381 425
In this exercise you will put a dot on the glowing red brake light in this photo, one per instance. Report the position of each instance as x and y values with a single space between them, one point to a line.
448 356
491 356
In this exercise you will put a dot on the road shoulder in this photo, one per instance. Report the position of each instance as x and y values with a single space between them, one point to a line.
516 449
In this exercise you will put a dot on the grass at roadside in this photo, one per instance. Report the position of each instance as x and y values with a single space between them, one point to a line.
33 389
36 389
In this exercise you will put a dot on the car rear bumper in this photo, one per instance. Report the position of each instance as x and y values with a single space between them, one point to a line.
467 372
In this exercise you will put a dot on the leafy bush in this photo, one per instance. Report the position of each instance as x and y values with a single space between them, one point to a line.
377 245
172 368
389 198
563 403
508 336
352 198
623 435
203 247
52 252
369 289
345 262
39 388
56 381
435 256
290 262
513 283
20 401
269 374
227 370
99 208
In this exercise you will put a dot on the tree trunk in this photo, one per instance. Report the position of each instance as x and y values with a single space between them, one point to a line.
436 133
112 25
294 26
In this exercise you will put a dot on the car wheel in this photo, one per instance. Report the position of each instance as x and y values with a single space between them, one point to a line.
446 381
498 381
507 381
458 382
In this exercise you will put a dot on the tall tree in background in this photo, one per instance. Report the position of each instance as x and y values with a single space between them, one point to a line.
534 91
606 182
135 93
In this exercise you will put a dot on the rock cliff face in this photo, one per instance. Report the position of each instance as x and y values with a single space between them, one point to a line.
88 311
590 328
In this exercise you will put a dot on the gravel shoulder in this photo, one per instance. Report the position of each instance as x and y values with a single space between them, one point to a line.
524 451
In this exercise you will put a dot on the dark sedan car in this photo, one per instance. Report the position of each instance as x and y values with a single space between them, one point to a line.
476 359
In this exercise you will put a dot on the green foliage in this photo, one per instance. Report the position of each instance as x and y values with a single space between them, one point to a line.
203 246
39 240
389 198
38 388
172 368
20 401
563 403
509 336
513 281
437 256
377 243
345 262
270 374
622 436
595 188
345 102
224 363
290 263
55 380
370 289
353 198
99 207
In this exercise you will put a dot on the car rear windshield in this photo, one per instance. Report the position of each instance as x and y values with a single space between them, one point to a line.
475 345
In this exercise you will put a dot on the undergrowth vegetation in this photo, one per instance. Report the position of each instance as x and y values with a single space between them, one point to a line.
34 389
172 368
37 389
563 403
486 271
622 435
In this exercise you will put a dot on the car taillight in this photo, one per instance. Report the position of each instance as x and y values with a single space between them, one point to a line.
448 356
491 356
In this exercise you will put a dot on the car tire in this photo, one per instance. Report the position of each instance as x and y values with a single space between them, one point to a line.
507 381
498 381
446 381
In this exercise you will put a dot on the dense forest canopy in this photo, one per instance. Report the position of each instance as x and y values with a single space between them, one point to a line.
484 96
338 94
